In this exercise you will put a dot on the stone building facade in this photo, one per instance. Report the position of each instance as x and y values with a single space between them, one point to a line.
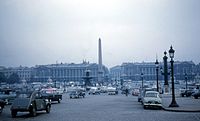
132 71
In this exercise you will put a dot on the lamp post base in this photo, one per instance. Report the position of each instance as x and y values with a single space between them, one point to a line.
166 91
173 104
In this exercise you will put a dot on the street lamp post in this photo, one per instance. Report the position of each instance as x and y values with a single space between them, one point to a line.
142 80
165 72
186 81
55 83
157 66
171 55
64 85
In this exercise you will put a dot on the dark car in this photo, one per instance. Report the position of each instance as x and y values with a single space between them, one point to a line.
2 104
186 93
7 95
51 94
196 94
77 94
29 102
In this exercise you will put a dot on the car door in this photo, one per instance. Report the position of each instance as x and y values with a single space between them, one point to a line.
39 102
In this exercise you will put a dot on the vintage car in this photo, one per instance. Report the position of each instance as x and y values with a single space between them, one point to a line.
135 92
112 91
51 94
152 99
7 95
29 102
142 93
2 104
187 93
94 91
196 94
77 94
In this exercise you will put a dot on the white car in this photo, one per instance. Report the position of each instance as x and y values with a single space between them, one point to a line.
152 99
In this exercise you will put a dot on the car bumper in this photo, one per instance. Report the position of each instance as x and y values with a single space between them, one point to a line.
21 109
152 105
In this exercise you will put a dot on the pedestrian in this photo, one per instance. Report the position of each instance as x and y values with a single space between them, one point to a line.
126 92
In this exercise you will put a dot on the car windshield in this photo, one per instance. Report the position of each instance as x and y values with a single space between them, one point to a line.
74 92
151 95
24 95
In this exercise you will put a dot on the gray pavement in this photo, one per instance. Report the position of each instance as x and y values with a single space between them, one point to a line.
186 104
102 108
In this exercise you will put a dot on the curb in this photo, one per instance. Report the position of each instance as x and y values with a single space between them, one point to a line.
177 110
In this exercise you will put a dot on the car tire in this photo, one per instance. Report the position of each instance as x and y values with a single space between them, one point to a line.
59 100
48 108
144 107
33 112
13 113
1 109
196 97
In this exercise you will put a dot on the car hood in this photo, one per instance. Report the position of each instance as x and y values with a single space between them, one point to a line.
22 102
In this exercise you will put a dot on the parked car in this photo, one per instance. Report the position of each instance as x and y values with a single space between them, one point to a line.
94 90
29 102
2 104
7 95
186 93
51 94
152 99
196 94
77 94
142 93
112 91
135 92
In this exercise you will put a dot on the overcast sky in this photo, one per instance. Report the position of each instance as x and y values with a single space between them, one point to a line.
45 31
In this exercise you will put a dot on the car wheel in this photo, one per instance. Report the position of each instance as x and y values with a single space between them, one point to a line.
33 112
144 107
48 108
182 95
1 109
13 113
59 100
196 97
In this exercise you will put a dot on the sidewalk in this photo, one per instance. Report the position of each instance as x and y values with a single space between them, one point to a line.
186 104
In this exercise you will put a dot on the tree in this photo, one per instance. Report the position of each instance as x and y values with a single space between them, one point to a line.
2 77
14 78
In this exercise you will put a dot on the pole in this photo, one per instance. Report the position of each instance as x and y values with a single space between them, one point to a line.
173 103
157 79
142 80
165 72
185 81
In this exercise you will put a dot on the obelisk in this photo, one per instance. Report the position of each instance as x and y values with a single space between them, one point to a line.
100 72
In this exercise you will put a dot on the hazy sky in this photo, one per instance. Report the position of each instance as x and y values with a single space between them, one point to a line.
45 31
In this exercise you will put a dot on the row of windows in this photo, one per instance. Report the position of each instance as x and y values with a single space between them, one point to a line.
66 73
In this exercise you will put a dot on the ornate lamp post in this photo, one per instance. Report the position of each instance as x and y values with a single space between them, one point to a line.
165 72
142 75
157 66
186 81
171 55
